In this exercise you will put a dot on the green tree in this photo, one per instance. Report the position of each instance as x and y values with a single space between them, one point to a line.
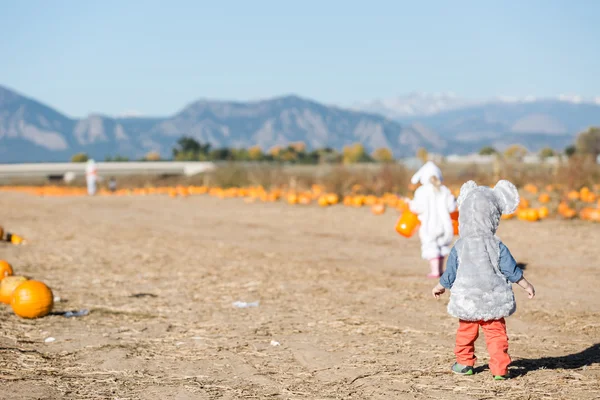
116 158
221 154
515 152
570 151
487 151
189 149
588 142
546 152
383 155
79 158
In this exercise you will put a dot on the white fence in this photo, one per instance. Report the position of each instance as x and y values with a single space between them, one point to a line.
104 169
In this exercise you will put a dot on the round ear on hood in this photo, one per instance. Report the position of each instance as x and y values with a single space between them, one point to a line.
507 195
465 189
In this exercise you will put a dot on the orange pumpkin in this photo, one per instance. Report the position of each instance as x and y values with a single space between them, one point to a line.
544 198
378 209
292 198
543 212
8 286
333 198
407 224
323 201
533 215
523 203
32 299
5 269
594 215
569 213
530 188
507 216
573 195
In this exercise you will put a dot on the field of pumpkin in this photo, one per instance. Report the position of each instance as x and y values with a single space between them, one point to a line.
552 201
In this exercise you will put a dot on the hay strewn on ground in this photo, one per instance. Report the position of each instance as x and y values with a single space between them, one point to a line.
343 294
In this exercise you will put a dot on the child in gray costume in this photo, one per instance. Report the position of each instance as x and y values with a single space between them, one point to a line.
480 270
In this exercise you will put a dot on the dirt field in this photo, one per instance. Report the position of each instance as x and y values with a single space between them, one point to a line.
343 294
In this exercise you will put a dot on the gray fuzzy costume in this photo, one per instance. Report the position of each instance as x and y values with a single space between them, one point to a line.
481 292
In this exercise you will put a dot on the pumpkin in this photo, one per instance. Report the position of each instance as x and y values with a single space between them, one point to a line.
523 203
32 299
333 198
292 198
544 198
378 209
522 214
533 215
531 188
543 212
507 216
304 199
573 195
14 239
5 269
569 213
594 215
323 201
407 224
8 286
347 200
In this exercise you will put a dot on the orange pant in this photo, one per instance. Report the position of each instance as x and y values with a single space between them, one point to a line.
495 338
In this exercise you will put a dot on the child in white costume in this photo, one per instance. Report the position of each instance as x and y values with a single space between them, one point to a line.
433 203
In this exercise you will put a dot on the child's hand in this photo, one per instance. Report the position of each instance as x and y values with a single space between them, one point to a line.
530 291
528 287
438 290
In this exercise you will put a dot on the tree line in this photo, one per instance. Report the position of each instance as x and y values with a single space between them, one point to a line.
189 149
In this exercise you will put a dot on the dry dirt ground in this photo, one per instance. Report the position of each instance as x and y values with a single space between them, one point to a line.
343 294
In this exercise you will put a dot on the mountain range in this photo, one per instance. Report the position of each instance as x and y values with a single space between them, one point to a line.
31 131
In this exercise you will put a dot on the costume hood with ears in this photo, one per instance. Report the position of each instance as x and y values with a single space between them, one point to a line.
480 291
424 174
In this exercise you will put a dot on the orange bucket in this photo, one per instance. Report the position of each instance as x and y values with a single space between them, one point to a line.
454 218
407 224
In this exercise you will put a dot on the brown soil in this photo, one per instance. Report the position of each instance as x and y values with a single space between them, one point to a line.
343 294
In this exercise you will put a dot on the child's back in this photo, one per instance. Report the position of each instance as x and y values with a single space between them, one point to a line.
479 274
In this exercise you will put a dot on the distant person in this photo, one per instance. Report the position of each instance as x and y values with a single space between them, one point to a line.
479 275
433 203
91 177
112 184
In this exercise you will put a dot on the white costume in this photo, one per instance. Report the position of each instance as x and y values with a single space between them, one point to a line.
91 176
433 207
480 290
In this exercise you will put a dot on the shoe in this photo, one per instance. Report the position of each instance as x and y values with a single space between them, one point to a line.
500 377
462 369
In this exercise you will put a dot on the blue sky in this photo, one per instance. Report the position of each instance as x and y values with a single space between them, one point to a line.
156 56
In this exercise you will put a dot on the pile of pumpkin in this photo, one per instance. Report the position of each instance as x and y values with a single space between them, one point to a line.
583 203
554 201
27 297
